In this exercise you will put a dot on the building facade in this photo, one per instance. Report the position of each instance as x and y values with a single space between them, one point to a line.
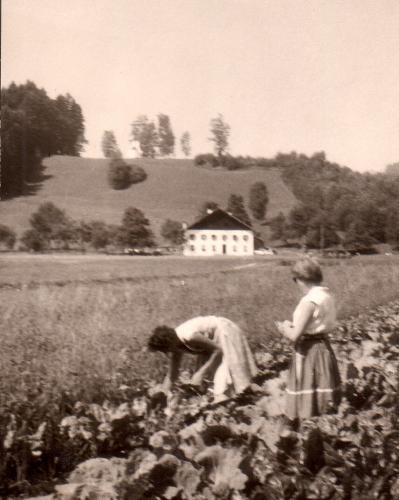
219 233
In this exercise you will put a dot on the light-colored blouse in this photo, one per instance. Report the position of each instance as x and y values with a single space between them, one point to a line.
324 316
205 325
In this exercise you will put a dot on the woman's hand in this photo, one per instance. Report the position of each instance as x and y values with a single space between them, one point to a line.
197 379
283 326
294 331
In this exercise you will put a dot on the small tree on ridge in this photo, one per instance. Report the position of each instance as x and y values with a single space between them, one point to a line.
220 131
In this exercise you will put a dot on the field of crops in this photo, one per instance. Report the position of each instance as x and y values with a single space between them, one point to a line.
188 448
76 381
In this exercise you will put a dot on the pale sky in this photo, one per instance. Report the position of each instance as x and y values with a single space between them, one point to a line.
303 75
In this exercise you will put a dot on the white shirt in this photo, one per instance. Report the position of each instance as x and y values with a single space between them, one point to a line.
205 325
324 316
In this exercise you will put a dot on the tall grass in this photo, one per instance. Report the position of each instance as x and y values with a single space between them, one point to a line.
85 340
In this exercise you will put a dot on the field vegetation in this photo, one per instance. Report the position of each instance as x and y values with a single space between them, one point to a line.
146 444
83 341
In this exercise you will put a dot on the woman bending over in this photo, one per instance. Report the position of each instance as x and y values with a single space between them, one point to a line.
222 349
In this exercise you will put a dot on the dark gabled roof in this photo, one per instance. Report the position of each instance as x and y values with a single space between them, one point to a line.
220 219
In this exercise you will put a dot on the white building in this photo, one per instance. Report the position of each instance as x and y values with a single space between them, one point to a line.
219 233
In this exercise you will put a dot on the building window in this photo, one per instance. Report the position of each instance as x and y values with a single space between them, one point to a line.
224 237
192 236
203 236
235 237
192 248
245 237
214 237
203 248
234 248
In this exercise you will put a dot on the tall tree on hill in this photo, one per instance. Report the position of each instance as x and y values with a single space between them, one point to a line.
185 143
135 229
70 129
109 145
220 131
166 138
35 126
144 132
236 207
258 200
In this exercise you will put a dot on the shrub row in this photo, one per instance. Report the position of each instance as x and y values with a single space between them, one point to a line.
230 162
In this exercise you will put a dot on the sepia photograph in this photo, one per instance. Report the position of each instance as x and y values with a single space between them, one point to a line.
199 250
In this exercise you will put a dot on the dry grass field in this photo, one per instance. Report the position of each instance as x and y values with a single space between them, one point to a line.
23 269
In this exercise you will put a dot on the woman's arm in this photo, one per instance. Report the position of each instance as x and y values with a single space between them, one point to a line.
210 365
205 345
173 370
294 331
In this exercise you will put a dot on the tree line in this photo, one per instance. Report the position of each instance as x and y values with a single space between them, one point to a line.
257 203
52 229
35 126
152 140
156 139
337 206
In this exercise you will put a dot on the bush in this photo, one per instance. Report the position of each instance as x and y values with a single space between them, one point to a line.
51 226
135 229
119 174
96 233
173 231
32 239
7 237
137 174
265 162
231 162
207 159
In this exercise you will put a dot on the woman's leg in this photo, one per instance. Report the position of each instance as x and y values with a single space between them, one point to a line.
221 381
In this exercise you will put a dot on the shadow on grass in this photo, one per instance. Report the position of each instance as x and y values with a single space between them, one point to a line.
30 187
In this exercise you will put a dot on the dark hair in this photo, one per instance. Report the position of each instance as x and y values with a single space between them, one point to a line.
163 339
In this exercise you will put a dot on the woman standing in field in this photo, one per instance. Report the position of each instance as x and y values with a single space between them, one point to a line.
313 386
221 347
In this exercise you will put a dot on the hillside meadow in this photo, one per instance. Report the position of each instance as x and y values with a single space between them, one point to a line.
174 189
84 337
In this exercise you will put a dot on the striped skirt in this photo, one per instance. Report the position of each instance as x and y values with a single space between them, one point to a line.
313 385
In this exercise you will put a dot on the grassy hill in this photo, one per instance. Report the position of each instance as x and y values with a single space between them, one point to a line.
174 189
